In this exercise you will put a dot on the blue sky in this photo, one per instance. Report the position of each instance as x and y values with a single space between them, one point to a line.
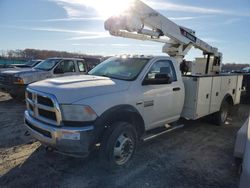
77 26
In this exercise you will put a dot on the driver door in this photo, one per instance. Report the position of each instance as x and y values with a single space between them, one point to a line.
158 99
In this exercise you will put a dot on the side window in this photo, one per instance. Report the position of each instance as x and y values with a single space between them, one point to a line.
65 66
81 66
162 67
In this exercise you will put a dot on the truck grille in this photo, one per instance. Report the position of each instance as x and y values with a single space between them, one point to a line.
5 79
43 107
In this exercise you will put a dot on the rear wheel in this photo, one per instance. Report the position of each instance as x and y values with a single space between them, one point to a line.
119 144
220 117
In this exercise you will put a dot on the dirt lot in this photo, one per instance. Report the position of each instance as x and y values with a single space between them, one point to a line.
198 155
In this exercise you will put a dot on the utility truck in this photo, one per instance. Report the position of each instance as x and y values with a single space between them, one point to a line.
129 98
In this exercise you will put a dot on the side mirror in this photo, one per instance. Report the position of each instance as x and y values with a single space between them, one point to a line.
159 79
58 71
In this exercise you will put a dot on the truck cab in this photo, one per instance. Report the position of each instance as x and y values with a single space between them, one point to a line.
15 80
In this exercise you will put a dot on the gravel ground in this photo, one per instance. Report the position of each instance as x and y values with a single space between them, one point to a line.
198 155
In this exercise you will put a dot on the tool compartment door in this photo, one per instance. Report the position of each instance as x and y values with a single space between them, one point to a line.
216 95
238 89
204 96
197 97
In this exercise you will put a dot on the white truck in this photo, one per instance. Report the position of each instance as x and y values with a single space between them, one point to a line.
15 80
125 98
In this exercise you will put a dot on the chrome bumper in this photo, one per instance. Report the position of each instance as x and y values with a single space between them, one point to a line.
67 140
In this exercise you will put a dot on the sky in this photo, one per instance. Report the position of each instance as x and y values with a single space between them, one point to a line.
78 26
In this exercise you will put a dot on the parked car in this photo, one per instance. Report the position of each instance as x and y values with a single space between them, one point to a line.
14 81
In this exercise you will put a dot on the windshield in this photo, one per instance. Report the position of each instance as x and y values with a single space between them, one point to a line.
31 63
120 68
47 64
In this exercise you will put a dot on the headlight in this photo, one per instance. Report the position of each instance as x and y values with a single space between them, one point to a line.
77 113
18 80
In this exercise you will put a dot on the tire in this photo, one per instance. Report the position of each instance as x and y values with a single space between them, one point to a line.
19 98
220 117
118 145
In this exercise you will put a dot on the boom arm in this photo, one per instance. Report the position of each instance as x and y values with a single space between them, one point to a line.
144 23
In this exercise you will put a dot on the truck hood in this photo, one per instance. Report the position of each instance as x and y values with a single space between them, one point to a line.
71 89
29 75
20 72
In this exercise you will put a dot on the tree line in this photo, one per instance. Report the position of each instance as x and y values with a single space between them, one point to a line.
29 54
234 66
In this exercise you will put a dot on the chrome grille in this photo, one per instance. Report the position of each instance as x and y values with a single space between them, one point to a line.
44 107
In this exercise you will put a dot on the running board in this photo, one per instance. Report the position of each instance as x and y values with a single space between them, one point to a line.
156 132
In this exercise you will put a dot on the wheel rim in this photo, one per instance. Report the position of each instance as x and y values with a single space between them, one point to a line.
123 149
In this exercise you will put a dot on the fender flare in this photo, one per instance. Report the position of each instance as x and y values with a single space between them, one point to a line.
124 112
228 97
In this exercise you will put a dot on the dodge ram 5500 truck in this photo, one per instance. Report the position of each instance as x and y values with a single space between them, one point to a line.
120 101
15 80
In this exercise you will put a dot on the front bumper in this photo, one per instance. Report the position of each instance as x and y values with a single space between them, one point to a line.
67 140
4 88
13 89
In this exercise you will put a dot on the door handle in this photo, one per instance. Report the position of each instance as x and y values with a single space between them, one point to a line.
176 89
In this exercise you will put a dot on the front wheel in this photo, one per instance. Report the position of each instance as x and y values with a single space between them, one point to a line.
220 117
17 97
119 144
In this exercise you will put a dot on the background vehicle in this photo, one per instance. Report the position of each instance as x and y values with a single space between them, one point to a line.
242 151
28 64
92 62
246 70
14 81
130 98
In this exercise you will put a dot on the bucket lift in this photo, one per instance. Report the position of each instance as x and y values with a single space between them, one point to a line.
141 22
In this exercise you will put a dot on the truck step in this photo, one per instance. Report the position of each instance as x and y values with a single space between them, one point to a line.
160 131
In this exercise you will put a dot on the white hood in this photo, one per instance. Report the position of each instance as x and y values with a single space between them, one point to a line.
73 88
20 71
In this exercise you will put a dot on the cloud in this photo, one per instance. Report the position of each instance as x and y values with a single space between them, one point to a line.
77 8
84 34
183 18
183 8
100 35
64 30
88 44
162 5
65 19
97 19
125 45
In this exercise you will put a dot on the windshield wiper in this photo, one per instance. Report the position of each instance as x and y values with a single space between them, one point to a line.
105 75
